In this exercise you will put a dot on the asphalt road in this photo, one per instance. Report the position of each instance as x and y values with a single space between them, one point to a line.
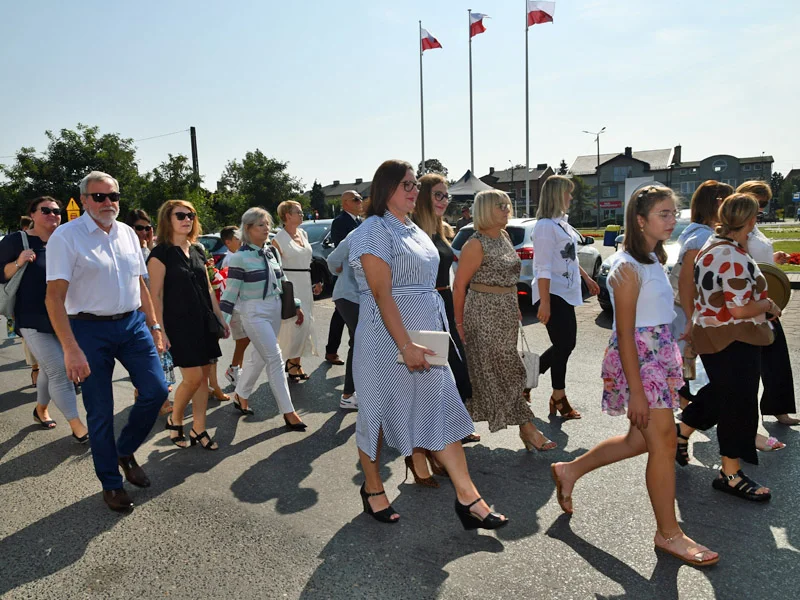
276 514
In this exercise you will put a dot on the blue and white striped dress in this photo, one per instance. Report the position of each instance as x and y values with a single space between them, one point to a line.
415 410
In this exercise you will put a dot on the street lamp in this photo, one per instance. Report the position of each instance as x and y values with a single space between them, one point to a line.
597 139
512 186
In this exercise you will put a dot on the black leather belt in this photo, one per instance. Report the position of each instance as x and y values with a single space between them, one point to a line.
297 270
82 316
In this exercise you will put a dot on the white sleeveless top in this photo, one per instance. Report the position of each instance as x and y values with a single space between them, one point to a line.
655 305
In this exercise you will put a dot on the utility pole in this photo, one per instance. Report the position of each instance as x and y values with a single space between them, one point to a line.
195 162
597 139
516 206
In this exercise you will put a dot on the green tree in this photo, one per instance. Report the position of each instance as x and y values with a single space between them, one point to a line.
317 199
581 197
432 165
173 179
563 167
775 183
263 181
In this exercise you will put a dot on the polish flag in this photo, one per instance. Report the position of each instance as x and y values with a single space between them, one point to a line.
540 12
428 41
476 23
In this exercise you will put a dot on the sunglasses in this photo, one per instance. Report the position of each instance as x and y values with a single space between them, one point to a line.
101 197
182 215
410 185
46 210
143 227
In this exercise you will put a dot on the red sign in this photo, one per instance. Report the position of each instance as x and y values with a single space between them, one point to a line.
611 204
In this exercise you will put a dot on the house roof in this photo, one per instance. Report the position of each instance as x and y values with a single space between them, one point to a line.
362 188
587 165
505 176
468 185
757 159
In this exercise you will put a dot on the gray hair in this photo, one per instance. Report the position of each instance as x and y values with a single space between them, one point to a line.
97 176
250 217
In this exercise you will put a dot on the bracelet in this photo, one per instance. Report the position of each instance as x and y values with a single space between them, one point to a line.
405 346
16 265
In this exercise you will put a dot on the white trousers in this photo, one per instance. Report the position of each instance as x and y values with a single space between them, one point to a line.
261 321
52 382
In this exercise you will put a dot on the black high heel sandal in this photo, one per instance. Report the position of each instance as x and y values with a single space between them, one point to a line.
170 426
197 439
290 364
385 515
238 406
472 521
294 426
682 450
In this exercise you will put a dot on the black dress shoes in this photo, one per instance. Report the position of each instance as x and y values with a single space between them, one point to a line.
118 500
133 472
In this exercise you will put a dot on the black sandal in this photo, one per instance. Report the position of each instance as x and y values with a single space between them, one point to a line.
746 488
198 437
170 426
36 378
385 515
472 521
49 424
682 450
238 406
290 364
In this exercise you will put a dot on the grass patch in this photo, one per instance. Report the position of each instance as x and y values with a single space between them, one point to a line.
789 268
784 233
788 247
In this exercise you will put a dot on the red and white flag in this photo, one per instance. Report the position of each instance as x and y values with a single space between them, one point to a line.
540 12
476 24
428 41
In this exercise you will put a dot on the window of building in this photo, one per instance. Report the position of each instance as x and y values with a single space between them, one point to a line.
719 166
757 167
746 167
621 173
688 187
730 182
684 171
693 170
609 191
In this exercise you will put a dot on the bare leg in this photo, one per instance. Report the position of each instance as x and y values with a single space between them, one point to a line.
420 463
200 404
454 460
192 379
78 428
238 352
372 479
213 383
731 466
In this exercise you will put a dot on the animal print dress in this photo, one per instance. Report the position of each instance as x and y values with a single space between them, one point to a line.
491 325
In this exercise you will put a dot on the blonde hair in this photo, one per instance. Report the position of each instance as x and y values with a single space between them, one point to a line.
760 189
285 207
164 230
482 217
424 214
250 217
551 200
735 212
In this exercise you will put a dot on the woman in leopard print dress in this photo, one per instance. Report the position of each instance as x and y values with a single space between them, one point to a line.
487 319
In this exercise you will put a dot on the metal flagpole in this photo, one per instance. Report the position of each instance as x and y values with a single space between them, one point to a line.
527 125
471 137
421 104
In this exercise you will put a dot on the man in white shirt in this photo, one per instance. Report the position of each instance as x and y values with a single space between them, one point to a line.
101 310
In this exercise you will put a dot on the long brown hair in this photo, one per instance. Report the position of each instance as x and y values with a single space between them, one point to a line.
640 205
165 231
424 213
706 199
384 183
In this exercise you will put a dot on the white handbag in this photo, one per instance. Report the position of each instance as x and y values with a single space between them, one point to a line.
530 360
438 341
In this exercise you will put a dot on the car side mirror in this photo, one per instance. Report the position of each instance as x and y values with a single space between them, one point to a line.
327 243
588 240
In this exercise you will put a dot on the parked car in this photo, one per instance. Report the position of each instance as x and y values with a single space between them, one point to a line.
520 231
671 246
319 236
213 244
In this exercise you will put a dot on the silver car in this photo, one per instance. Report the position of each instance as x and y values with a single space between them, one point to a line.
521 232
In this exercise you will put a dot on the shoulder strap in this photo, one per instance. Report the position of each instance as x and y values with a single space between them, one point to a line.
702 252
24 240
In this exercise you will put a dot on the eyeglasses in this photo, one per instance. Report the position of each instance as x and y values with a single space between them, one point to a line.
101 197
46 210
182 215
410 185
504 206
144 227
668 214
356 199
442 196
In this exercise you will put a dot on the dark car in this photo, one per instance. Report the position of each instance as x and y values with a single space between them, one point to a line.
214 245
319 236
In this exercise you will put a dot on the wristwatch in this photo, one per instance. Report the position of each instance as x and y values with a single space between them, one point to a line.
155 327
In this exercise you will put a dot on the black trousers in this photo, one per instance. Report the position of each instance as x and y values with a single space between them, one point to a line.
563 331
730 400
457 365
348 312
335 333
776 375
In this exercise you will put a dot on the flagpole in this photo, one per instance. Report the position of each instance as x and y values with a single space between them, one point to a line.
471 136
421 104
527 124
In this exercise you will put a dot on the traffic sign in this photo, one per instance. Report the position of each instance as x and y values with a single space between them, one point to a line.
73 210
796 197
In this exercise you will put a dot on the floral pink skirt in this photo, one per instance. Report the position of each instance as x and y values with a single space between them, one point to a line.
660 365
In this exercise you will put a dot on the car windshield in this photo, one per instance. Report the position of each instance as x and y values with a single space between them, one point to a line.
517 235
210 243
315 231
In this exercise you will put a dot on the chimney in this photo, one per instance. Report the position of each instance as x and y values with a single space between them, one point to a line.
491 170
676 156
541 167
628 151
335 182
359 180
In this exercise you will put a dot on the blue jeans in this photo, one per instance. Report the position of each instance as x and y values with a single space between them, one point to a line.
129 341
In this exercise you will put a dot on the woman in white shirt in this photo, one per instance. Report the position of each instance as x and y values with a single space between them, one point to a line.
556 289
642 371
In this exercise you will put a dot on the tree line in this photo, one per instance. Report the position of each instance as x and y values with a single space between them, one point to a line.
254 180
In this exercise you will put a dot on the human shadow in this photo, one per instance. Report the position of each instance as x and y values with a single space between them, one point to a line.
16 398
280 475
604 320
39 461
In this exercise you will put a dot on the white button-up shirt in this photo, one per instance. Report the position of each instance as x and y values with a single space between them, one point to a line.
102 268
555 257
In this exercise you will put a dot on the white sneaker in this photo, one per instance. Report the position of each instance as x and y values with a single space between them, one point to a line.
350 403
232 375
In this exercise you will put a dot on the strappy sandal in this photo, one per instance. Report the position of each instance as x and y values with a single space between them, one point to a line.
563 406
301 376
693 558
746 488
470 520
682 449
219 394
197 438
48 424
385 515
170 426
34 376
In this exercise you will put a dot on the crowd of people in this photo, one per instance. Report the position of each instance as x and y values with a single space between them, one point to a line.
393 259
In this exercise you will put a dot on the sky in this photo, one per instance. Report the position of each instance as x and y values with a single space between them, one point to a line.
332 88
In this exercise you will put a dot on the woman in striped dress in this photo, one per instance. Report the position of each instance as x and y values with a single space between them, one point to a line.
411 405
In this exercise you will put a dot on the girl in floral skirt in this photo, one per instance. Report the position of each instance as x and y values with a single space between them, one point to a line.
642 371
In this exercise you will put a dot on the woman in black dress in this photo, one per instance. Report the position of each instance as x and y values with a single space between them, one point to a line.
187 306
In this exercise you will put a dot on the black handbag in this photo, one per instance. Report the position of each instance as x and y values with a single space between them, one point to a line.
288 308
